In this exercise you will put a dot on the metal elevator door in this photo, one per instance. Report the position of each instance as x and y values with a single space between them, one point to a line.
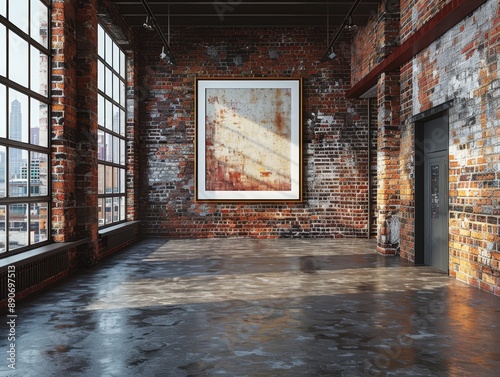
436 207
436 210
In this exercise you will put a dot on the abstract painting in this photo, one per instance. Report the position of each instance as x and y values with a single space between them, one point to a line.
248 140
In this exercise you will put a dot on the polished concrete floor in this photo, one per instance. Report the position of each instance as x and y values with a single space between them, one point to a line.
245 307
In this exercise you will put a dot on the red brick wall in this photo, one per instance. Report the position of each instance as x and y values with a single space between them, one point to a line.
375 41
86 130
370 46
388 142
133 185
365 47
463 66
373 163
407 166
335 137
415 13
63 119
74 123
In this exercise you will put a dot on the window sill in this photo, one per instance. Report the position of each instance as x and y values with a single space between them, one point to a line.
34 254
117 228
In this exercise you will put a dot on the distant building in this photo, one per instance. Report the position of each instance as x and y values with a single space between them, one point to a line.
16 161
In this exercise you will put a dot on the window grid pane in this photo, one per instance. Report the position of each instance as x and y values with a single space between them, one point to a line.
39 22
100 211
18 172
3 172
109 114
3 110
108 139
18 9
18 116
18 226
122 64
3 233
101 145
100 40
100 76
123 152
3 51
100 175
108 180
116 209
39 123
100 114
111 133
24 125
122 180
123 123
109 211
18 59
38 222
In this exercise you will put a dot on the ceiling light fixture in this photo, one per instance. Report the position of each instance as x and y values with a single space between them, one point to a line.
339 31
147 25
166 51
165 56
349 25
332 55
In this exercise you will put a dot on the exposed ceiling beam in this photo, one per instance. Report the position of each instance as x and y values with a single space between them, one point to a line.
334 2
178 15
287 13
234 15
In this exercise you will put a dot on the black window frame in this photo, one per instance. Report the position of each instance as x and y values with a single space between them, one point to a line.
9 201
104 129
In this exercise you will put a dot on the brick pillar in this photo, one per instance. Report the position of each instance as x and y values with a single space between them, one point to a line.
63 120
86 130
388 140
132 137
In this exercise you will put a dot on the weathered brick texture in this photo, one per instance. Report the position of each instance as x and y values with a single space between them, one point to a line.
388 198
86 130
462 66
373 167
335 135
415 13
407 166
63 120
133 184
372 43
74 123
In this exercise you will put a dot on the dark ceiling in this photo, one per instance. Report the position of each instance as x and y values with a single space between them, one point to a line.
247 13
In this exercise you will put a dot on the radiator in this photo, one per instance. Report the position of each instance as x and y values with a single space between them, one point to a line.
30 275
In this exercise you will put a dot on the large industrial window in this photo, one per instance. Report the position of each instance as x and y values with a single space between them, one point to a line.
111 132
24 124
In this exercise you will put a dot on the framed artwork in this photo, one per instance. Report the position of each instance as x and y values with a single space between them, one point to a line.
248 144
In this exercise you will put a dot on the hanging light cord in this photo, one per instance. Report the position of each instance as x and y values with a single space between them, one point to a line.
166 42
341 28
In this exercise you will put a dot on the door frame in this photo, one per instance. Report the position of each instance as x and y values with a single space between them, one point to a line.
419 165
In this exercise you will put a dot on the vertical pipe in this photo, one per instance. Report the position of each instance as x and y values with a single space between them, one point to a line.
369 222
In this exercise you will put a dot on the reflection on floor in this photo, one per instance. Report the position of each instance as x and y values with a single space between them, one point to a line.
248 307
